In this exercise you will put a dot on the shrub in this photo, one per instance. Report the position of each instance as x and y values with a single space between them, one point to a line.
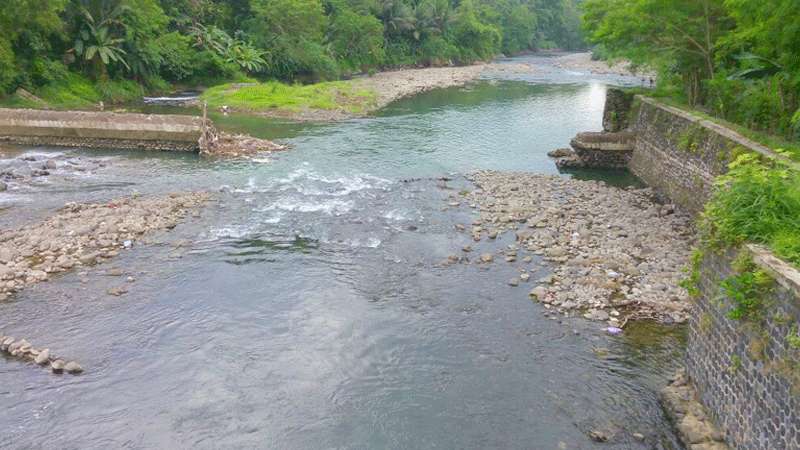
8 73
756 202
357 40
437 51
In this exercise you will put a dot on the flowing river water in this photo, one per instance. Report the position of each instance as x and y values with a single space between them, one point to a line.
306 306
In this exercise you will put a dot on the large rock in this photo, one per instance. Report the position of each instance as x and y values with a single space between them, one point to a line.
43 357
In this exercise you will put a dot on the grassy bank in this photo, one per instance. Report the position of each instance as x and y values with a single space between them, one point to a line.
77 92
271 96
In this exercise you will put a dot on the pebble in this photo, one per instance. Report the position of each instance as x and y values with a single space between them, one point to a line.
23 350
57 366
43 357
539 293
117 291
598 436
73 368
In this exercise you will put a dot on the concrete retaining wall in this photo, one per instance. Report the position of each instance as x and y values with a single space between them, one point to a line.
101 129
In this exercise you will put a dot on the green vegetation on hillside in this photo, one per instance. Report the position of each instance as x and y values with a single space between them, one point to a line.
77 52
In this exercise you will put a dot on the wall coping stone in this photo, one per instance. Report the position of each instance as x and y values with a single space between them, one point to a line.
784 273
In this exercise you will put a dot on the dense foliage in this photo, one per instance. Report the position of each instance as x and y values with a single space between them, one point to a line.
756 202
739 59
61 43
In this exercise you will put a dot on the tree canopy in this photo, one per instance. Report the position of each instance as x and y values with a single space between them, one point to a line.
740 59
202 41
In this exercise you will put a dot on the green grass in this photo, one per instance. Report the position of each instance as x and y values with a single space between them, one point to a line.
77 92
756 201
273 95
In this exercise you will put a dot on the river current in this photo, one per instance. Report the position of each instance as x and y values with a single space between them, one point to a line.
306 307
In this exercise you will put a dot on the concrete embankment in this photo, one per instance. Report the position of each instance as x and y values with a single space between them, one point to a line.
102 129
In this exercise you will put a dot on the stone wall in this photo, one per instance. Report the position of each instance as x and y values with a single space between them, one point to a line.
680 154
746 374
101 129
617 111
603 150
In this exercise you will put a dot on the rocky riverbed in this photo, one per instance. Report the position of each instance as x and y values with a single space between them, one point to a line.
583 62
84 235
616 254
31 168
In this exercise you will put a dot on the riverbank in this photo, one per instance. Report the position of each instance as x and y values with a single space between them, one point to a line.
338 100
616 254
358 97
319 102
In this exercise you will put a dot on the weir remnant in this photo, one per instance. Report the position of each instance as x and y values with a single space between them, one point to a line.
91 129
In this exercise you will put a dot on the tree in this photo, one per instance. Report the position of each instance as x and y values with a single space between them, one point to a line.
232 50
356 40
29 29
293 31
477 40
95 42
681 34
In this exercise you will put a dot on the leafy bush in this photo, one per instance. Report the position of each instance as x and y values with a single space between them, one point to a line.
177 56
8 73
747 289
437 51
765 104
476 40
357 40
756 202
399 53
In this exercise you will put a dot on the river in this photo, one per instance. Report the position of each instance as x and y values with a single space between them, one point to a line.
307 307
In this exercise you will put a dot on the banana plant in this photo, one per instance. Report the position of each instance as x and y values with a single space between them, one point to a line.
95 43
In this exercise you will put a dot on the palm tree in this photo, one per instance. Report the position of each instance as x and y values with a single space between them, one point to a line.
397 17
96 44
